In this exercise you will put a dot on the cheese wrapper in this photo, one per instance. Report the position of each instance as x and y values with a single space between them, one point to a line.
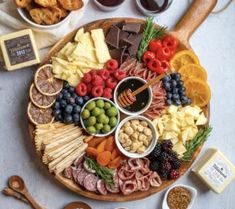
19 50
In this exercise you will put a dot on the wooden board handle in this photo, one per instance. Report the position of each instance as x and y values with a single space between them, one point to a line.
192 19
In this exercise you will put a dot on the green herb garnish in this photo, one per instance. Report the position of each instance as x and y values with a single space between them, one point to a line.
192 145
150 32
103 172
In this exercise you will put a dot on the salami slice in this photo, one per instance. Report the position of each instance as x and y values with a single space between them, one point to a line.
75 173
115 187
90 182
79 160
101 187
81 176
68 173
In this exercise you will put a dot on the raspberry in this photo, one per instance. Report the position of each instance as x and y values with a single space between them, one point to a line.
81 89
166 166
108 93
112 64
119 74
167 145
156 151
89 88
86 78
111 83
97 91
96 80
104 74
174 174
93 73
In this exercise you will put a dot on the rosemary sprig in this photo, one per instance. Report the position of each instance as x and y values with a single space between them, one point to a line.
103 172
150 32
192 145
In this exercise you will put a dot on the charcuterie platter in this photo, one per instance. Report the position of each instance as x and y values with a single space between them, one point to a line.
119 108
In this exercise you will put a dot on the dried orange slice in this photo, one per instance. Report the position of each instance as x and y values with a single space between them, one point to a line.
40 100
45 81
38 115
190 71
198 91
182 58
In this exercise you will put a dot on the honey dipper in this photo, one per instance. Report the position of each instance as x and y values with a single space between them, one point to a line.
127 97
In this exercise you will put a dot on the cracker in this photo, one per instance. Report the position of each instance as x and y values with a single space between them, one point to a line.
23 3
71 4
46 3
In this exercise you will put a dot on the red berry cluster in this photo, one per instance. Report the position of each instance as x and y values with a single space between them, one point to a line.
159 53
101 83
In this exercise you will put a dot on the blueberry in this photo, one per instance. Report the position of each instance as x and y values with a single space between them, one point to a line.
177 102
167 86
57 112
59 117
166 78
177 76
173 83
57 105
66 95
68 119
74 95
60 96
63 103
182 93
66 85
169 95
184 98
175 97
64 91
180 83
68 109
175 91
76 118
71 100
77 109
71 89
169 102
189 102
79 101
86 98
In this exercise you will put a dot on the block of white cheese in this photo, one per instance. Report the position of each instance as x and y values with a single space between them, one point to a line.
215 170
19 49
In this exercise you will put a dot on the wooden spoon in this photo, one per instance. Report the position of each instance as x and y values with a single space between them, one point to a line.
77 205
17 184
10 192
127 97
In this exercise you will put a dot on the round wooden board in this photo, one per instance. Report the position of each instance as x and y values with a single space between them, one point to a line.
105 24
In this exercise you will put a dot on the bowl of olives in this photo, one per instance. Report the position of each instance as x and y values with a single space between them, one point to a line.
99 117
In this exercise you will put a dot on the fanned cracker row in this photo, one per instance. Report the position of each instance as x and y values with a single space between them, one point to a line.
60 144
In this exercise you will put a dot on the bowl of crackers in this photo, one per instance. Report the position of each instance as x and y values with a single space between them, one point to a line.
47 13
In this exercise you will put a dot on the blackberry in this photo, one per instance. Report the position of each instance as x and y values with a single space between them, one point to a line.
156 151
166 166
163 157
167 145
174 174
163 174
173 155
176 164
154 165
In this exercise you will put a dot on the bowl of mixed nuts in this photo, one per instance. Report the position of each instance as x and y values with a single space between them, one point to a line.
136 136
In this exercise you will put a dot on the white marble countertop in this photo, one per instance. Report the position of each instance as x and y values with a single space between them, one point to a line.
213 42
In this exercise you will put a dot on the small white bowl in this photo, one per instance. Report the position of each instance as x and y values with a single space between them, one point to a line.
114 128
125 111
25 15
150 147
107 8
191 189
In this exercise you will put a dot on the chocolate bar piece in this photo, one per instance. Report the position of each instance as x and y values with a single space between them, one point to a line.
112 37
132 27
